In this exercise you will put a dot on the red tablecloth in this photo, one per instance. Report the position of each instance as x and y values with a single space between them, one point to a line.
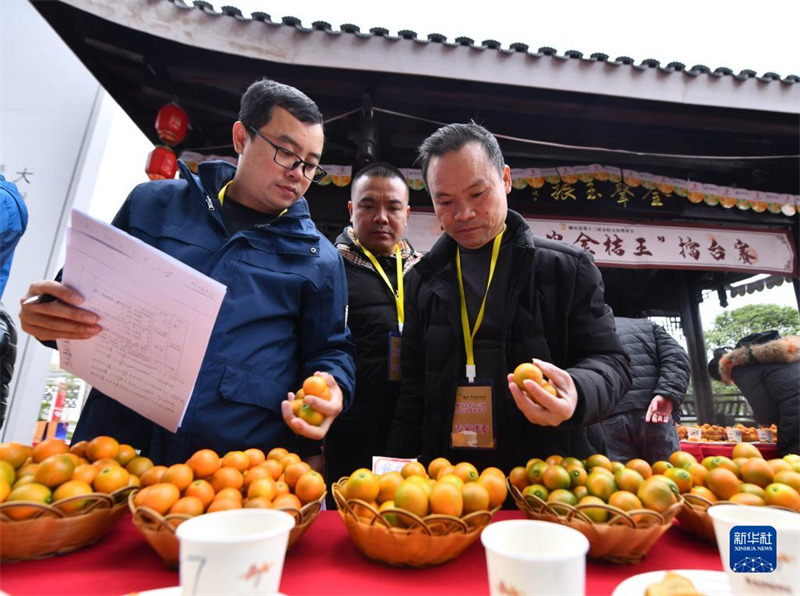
699 449
324 561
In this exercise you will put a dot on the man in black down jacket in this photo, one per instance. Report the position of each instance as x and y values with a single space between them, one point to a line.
379 215
768 374
541 299
642 424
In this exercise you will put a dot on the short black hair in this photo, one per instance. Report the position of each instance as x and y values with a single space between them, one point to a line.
713 365
453 137
379 169
257 102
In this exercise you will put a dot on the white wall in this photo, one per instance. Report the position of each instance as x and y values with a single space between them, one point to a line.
54 119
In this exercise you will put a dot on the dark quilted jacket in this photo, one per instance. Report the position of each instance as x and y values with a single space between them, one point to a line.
659 364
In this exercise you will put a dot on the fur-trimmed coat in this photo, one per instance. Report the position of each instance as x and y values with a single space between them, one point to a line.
780 351
768 375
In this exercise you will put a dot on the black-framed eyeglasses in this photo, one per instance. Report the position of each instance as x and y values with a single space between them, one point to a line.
290 160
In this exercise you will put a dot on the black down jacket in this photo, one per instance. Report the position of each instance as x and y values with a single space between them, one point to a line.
361 432
554 310
659 364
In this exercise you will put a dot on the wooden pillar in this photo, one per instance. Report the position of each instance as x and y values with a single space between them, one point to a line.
693 331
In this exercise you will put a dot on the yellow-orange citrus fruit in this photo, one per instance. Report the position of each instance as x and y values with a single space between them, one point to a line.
54 470
680 458
111 478
412 497
782 495
497 488
317 387
596 514
310 487
656 494
640 466
387 485
47 448
139 465
181 475
747 499
527 371
723 482
475 496
15 453
413 468
187 506
125 454
31 491
756 471
446 499
102 447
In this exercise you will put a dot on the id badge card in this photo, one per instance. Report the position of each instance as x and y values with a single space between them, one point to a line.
473 416
393 372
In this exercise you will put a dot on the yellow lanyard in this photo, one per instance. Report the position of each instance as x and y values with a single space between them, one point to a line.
398 295
221 196
469 337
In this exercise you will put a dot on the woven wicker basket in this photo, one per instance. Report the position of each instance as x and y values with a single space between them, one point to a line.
624 538
693 517
427 541
51 531
159 530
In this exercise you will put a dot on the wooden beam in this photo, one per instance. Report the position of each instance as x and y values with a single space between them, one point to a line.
693 330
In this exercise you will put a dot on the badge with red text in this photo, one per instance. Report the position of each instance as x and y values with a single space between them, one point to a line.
473 416
393 372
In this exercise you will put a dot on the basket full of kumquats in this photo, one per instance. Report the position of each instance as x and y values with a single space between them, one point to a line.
621 508
207 483
745 479
418 517
56 498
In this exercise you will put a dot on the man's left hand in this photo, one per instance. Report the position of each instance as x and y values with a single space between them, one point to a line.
329 408
659 410
541 407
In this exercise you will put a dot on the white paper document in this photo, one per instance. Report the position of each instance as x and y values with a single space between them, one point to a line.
156 313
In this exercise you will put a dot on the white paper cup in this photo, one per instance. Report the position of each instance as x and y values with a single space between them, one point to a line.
754 548
534 557
233 552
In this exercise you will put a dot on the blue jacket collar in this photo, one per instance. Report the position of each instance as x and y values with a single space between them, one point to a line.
213 175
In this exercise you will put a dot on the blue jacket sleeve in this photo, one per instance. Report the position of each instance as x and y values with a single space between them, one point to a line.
324 337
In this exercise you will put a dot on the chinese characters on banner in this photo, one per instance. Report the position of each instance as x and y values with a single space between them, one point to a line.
650 246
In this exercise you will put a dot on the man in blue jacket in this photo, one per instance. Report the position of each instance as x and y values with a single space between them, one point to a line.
283 317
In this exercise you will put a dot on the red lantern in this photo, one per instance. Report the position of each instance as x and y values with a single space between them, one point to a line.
171 124
161 163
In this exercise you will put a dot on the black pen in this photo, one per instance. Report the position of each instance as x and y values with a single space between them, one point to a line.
40 299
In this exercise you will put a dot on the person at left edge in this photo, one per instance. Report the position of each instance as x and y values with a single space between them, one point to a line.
283 316
13 221
376 257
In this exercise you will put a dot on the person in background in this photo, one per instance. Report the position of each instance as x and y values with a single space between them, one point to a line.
283 316
376 256
642 426
13 222
766 369
487 297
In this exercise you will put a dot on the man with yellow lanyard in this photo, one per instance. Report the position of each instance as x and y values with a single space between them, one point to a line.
376 256
487 297
283 316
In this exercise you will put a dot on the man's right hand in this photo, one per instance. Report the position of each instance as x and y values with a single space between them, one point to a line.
58 318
